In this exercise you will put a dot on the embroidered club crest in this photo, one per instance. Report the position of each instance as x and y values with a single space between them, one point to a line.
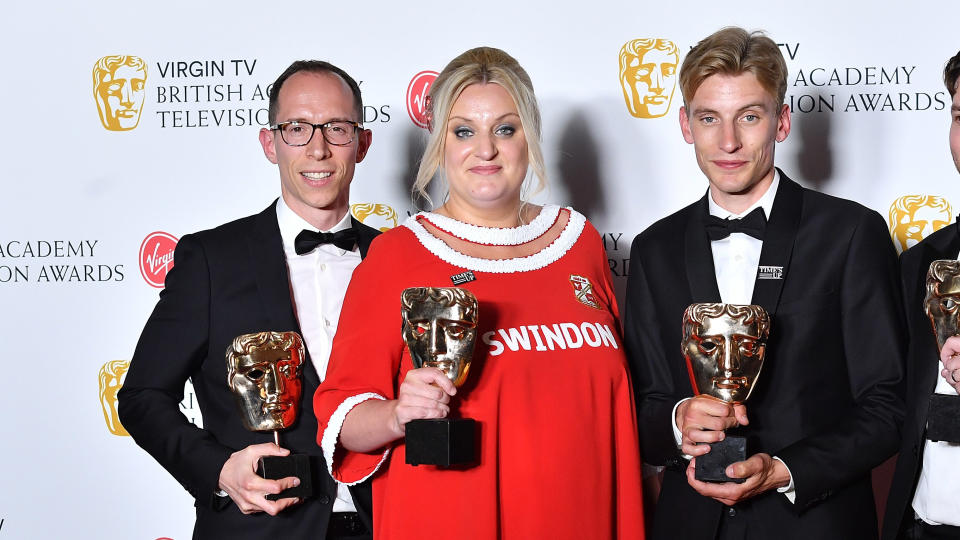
583 290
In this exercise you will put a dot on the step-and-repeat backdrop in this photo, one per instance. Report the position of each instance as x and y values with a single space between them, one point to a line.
129 126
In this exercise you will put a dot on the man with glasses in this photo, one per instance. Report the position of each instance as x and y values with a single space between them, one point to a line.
286 268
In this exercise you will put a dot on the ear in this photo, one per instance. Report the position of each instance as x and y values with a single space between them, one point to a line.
364 138
685 126
783 123
267 139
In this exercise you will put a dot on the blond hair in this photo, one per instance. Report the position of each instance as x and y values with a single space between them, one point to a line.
481 65
734 51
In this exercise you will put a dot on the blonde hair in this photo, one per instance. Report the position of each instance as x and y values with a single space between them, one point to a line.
734 51
481 65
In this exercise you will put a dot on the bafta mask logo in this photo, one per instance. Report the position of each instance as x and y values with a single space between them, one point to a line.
112 375
440 329
263 372
914 217
156 257
648 76
119 88
724 345
379 216
417 92
942 301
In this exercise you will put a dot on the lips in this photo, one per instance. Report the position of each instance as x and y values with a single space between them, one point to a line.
276 407
486 169
316 178
730 383
729 164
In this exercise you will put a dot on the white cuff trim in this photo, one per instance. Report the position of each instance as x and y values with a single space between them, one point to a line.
550 254
328 443
789 491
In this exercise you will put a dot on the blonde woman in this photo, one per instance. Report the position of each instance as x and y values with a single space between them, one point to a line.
549 386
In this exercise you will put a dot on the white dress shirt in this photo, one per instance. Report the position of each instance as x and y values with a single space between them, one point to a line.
735 261
318 281
938 489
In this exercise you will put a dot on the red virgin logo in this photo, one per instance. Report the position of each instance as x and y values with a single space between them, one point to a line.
156 257
417 97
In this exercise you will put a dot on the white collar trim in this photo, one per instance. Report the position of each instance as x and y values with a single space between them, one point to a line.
552 253
497 236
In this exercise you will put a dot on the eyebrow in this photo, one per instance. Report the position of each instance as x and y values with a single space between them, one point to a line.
469 120
740 110
305 121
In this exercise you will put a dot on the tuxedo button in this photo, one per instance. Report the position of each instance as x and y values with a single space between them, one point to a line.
326 322
731 511
323 267
324 499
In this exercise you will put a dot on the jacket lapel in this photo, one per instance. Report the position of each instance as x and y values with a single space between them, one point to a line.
365 235
698 256
266 256
778 243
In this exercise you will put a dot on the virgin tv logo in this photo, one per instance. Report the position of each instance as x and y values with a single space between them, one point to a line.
156 257
417 97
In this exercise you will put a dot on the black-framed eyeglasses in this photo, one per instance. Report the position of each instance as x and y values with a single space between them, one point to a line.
337 133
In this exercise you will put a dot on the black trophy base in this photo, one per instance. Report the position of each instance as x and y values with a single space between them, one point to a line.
711 466
943 418
277 467
442 442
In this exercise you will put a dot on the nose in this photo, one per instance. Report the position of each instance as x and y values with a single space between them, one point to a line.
486 148
730 138
730 360
438 344
317 147
272 385
656 81
126 94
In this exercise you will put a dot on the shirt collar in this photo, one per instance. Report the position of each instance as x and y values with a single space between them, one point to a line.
291 224
765 202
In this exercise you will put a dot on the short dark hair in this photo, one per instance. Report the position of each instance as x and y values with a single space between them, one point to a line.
951 72
313 66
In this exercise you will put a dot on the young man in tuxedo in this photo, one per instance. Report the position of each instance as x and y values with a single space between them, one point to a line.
825 409
284 269
924 500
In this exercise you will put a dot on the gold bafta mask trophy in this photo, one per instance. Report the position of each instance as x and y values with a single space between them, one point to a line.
942 306
263 372
724 345
440 329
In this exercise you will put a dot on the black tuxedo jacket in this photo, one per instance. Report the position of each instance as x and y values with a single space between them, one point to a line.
826 401
227 281
922 356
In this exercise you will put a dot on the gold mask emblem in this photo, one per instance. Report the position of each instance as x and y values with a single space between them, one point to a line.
724 345
914 217
440 329
263 372
377 215
112 375
648 76
942 301
119 86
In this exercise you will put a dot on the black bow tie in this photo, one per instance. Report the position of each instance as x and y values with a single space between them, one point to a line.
753 224
307 241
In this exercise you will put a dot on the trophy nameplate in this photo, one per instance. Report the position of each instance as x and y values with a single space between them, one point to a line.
724 347
440 329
